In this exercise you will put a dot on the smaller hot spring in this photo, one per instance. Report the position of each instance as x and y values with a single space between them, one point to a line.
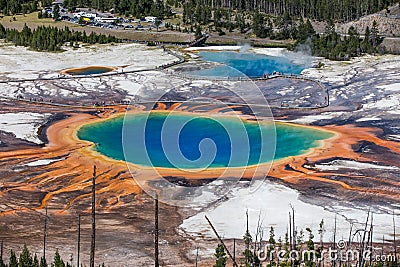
90 70
240 64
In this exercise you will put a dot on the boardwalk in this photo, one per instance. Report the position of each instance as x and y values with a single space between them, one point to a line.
179 60
164 67
199 41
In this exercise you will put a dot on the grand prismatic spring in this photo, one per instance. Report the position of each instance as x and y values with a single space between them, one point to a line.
236 142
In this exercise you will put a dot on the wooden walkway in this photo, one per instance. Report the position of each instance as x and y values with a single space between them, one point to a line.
179 60
199 41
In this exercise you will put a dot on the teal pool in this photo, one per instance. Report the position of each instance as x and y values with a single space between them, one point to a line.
191 141
238 64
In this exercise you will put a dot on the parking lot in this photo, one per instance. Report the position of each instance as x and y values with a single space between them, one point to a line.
104 20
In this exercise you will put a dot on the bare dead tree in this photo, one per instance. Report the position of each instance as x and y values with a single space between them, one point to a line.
93 235
234 249
290 231
293 228
280 248
362 246
1 253
334 241
371 232
45 234
247 232
197 255
156 253
321 232
350 232
367 243
259 235
79 240
349 242
394 238
221 241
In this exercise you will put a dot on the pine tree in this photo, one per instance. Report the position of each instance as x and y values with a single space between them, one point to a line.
353 42
58 262
43 262
220 256
272 243
366 43
56 12
50 38
305 31
25 258
198 32
330 27
35 261
374 34
309 261
247 253
258 25
321 232
157 23
13 259
367 34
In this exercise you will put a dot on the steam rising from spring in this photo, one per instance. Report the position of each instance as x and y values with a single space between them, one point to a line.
252 99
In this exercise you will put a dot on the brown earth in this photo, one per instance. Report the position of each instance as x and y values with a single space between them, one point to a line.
125 213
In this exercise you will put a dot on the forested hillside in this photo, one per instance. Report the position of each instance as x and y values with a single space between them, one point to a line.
11 7
51 38
344 10
314 9
273 19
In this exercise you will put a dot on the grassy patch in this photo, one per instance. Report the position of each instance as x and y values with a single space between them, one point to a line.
33 22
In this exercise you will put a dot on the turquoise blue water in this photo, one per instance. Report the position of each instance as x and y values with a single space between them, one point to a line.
203 141
246 64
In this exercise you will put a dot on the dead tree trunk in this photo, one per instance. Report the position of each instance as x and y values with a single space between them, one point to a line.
334 241
349 244
247 241
197 255
45 234
290 231
294 229
93 235
371 230
1 254
362 261
234 249
394 238
79 240
156 263
222 242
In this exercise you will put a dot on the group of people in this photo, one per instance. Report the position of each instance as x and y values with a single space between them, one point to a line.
275 73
